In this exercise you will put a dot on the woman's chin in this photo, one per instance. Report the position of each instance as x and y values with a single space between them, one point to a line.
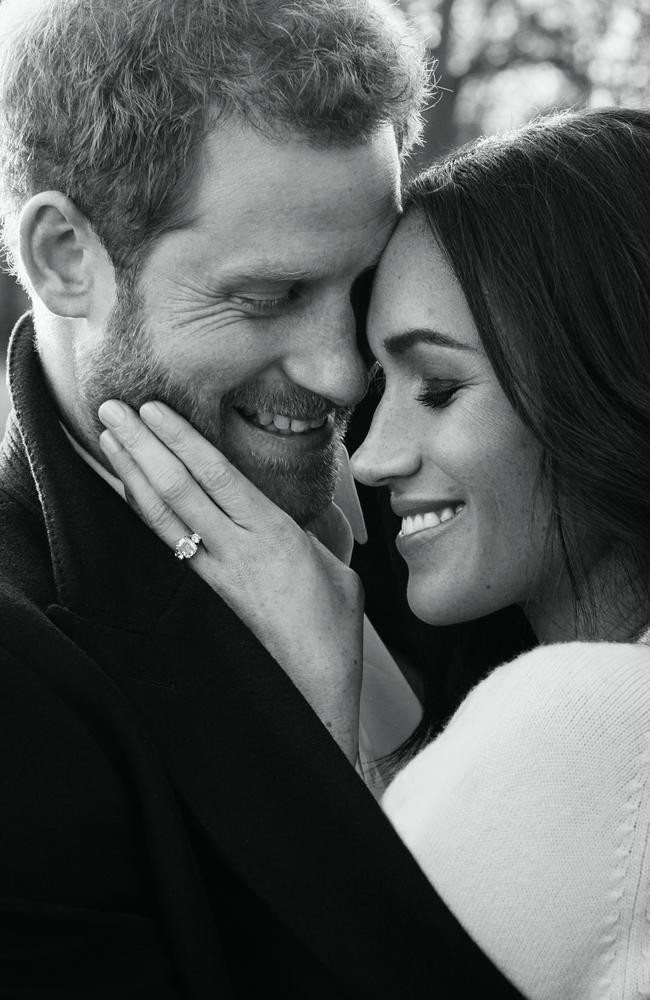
446 607
435 615
425 607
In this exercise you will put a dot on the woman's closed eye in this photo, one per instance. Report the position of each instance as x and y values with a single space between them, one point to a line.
437 392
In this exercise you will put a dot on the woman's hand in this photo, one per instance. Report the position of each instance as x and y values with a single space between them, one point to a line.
301 601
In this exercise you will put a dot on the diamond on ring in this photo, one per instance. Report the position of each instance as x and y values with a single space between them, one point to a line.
187 546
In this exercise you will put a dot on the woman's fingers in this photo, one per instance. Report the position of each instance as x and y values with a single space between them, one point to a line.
222 482
167 497
186 475
141 495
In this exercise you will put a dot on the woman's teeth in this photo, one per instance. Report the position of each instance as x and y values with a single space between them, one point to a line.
279 423
431 519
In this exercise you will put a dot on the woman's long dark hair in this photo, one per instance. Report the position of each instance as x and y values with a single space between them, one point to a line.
548 231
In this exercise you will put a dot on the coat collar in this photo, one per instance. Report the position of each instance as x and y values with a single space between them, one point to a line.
106 565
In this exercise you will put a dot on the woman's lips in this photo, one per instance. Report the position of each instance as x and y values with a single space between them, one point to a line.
438 514
426 525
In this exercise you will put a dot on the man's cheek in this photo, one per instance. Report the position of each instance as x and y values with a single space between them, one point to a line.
203 322
219 365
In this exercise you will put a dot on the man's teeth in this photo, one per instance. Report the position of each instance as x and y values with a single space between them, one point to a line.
280 423
431 519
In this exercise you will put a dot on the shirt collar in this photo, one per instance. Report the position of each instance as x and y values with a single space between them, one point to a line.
112 480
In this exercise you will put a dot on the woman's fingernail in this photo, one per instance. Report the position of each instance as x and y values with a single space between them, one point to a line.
109 443
112 413
152 414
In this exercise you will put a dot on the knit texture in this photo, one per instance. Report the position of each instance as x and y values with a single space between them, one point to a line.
530 815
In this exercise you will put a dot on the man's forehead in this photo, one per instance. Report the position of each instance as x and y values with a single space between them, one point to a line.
253 177
279 212
252 207
276 245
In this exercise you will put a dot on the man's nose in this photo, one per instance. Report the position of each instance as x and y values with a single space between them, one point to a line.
326 359
389 452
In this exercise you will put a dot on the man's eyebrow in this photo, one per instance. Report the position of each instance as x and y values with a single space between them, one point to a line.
400 343
264 270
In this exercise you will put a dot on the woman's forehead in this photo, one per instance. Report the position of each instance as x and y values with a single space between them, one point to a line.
416 289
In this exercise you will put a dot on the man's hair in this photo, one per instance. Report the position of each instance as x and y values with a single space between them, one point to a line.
548 231
108 101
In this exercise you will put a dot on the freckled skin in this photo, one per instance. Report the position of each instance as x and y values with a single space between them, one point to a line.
250 302
474 449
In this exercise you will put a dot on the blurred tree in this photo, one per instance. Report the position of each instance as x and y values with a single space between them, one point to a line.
500 62
13 303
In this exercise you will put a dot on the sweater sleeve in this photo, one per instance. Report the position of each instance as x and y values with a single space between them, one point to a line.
530 815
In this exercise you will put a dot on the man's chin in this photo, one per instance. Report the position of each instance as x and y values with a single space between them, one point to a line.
301 509
303 489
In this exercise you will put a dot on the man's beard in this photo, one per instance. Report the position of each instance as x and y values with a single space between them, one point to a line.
127 367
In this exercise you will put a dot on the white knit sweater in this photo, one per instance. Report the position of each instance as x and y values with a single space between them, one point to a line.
530 814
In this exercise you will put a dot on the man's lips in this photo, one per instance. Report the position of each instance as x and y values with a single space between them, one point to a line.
282 423
278 439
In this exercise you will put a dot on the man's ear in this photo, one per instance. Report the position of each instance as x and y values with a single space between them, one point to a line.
61 255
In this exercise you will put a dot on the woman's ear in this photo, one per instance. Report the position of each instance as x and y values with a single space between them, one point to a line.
61 256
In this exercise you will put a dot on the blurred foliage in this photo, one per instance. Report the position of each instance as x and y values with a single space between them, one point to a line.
498 63
501 62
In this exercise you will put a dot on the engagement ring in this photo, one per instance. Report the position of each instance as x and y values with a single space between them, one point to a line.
187 546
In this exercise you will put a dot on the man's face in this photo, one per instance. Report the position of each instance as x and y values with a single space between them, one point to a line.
242 319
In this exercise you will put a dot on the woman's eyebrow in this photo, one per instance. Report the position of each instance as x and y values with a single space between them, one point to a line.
400 343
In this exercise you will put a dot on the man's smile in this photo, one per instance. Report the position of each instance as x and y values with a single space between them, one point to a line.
281 423
277 433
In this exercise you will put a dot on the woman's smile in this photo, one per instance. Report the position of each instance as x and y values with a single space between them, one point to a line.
424 529
427 515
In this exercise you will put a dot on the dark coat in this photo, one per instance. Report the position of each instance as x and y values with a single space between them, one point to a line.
174 819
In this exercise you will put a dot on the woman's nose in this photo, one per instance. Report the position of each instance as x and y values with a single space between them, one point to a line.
389 452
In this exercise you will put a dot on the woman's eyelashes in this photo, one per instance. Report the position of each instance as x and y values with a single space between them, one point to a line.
376 380
437 392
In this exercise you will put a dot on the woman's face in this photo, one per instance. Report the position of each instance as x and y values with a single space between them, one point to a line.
461 468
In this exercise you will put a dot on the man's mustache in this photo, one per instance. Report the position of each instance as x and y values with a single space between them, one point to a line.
292 401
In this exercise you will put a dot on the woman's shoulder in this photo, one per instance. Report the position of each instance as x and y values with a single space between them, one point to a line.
570 666
589 699
578 656
569 683
529 813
